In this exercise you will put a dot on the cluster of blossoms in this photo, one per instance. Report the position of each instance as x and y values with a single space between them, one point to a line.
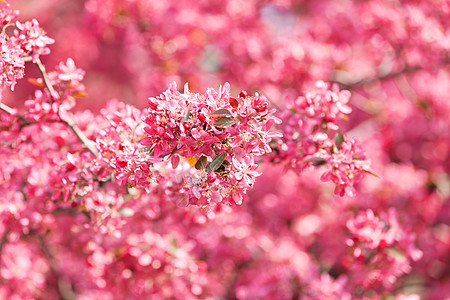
309 124
28 40
32 39
383 250
348 163
11 63
64 87
219 135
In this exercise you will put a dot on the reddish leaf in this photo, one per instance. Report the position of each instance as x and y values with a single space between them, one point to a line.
201 163
233 102
35 81
78 94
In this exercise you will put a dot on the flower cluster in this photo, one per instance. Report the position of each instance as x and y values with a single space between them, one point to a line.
383 249
28 40
308 127
348 162
119 148
64 86
32 39
11 62
7 14
219 135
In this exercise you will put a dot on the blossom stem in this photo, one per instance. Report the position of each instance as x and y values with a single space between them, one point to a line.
81 136
368 81
7 109
44 76
11 111
77 131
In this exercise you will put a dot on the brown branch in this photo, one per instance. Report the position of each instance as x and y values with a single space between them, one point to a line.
7 109
444 61
11 111
47 83
80 135
380 77
231 286
65 289
3 240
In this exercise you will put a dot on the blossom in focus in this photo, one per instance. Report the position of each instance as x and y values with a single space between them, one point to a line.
222 134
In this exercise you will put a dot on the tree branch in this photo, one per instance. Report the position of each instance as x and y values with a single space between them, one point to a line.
387 75
7 109
380 77
3 240
11 111
47 83
65 289
80 135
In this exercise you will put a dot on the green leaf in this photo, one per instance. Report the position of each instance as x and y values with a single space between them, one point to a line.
332 149
395 253
316 161
186 117
201 163
220 113
224 122
339 139
319 163
216 163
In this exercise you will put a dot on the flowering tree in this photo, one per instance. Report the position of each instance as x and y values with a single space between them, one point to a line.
259 189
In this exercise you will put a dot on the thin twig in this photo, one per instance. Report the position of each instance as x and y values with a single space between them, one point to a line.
368 81
47 83
3 240
383 76
7 109
11 111
80 135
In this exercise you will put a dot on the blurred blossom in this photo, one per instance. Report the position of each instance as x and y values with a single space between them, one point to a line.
319 169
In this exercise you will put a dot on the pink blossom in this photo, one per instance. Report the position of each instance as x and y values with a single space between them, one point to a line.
32 39
11 62
159 199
